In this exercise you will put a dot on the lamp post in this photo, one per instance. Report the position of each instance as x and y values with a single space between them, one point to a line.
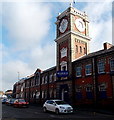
18 75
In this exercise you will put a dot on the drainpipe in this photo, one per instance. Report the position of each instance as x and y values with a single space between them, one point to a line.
95 83
48 86
29 90
113 89
40 77
73 85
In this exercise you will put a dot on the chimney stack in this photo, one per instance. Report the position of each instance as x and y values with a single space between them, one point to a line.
107 46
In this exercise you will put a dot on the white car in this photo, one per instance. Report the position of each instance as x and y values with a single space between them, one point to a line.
57 106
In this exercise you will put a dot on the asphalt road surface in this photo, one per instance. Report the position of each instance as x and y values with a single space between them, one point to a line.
36 113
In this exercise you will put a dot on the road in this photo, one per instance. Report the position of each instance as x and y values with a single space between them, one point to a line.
36 112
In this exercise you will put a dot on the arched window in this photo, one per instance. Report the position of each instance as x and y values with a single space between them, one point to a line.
76 48
84 50
80 49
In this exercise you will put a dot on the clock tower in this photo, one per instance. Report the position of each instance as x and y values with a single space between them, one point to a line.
72 40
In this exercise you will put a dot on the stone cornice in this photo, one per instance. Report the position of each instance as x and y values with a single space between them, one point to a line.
75 33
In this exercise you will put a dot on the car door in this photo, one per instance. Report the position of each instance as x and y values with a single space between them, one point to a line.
52 106
47 105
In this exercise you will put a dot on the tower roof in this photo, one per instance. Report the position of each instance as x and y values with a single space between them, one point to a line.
74 11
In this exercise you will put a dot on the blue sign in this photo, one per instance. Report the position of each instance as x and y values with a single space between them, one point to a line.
62 73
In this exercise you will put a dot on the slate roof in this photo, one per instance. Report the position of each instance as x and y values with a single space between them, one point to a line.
49 69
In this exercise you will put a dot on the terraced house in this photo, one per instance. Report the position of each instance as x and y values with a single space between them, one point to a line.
79 77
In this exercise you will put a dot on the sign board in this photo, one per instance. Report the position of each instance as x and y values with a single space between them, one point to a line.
62 74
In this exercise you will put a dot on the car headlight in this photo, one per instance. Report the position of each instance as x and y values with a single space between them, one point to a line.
62 107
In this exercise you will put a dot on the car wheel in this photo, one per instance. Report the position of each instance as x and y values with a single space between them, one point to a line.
44 109
57 111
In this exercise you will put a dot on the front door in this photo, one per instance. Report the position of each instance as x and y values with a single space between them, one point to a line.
64 93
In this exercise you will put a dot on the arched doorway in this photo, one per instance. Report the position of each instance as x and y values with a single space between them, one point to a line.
64 92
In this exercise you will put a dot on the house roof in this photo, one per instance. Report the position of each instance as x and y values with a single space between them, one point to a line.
49 69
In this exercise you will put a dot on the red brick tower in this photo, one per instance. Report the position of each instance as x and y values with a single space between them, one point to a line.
72 42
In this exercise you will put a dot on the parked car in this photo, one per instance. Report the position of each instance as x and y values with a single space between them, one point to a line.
10 101
57 106
20 103
7 101
3 100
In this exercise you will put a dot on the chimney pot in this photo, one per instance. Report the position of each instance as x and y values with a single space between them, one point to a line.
107 46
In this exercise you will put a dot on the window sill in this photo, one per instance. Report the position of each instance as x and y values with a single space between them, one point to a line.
87 75
78 76
101 73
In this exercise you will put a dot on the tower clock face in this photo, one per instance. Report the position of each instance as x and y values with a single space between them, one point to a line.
63 25
80 25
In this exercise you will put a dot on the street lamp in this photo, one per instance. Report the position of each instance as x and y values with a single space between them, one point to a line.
18 75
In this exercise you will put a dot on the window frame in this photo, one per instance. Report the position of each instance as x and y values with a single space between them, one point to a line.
50 78
102 85
80 49
88 69
42 79
101 63
54 77
78 71
90 88
112 65
63 52
45 79
76 48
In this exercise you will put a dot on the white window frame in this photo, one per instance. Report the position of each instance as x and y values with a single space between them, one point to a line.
90 88
43 80
78 71
63 64
88 69
54 77
22 88
63 52
33 94
37 95
112 65
101 66
102 87
50 78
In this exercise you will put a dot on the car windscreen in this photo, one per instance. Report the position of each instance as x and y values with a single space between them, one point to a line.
21 100
60 102
12 100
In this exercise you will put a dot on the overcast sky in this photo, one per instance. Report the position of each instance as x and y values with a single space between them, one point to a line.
28 31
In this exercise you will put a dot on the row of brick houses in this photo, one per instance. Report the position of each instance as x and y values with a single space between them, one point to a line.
37 87
79 77
92 81
94 77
